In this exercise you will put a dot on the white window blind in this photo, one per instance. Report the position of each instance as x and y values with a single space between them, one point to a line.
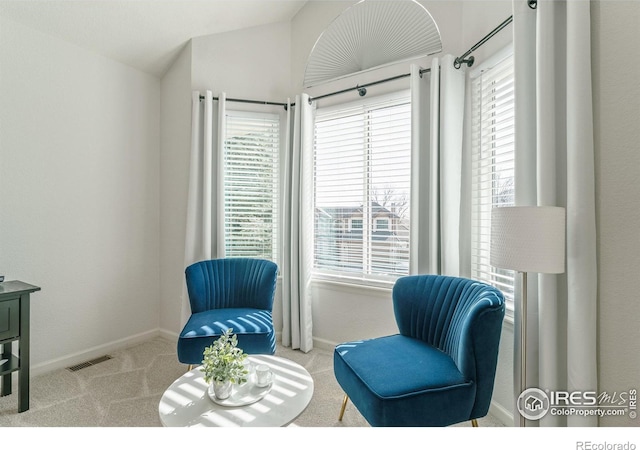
493 179
362 174
251 167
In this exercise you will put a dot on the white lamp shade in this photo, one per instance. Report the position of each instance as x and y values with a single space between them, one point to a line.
528 238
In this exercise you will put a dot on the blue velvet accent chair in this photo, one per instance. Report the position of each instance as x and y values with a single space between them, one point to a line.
229 293
440 368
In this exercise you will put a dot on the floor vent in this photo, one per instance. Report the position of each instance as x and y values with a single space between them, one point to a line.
92 362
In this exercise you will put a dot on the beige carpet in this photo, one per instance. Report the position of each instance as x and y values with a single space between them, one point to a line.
125 391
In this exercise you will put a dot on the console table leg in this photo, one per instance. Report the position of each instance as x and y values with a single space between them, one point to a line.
6 379
25 356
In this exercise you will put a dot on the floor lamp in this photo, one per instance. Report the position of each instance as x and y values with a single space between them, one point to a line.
527 239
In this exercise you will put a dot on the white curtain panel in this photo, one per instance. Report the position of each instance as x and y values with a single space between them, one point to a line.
422 251
297 252
555 167
433 259
437 103
466 185
220 248
452 94
201 222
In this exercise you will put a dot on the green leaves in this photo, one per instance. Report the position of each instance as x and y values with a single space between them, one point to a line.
224 361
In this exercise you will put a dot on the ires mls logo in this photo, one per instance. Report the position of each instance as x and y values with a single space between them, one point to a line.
577 398
534 403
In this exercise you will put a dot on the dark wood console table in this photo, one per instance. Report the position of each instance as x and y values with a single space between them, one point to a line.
14 326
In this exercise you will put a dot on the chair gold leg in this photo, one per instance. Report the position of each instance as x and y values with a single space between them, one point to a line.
344 406
474 423
190 367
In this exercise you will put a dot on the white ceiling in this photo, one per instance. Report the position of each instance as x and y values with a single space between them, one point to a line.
146 34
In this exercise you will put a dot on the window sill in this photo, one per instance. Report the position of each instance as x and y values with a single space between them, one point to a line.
376 288
354 285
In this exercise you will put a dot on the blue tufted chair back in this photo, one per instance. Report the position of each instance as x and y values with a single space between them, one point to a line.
459 316
231 283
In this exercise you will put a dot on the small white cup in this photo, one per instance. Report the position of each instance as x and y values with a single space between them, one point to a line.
263 375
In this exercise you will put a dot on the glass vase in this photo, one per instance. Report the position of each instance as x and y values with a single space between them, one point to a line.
222 390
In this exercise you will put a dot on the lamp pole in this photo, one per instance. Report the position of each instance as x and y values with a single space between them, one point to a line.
527 239
523 342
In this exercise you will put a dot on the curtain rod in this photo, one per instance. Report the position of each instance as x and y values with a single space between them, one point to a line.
255 102
457 63
362 89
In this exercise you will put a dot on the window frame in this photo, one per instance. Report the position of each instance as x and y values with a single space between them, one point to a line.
360 279
511 290
276 218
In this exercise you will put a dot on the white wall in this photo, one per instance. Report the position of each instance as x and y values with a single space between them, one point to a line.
479 18
616 89
252 63
175 145
79 180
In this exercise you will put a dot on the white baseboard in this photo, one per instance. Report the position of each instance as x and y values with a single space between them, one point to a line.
94 352
323 344
501 413
100 350
169 335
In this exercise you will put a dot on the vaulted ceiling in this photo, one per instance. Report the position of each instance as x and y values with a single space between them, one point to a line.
145 34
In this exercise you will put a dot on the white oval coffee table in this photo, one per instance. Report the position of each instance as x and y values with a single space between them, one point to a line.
186 402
